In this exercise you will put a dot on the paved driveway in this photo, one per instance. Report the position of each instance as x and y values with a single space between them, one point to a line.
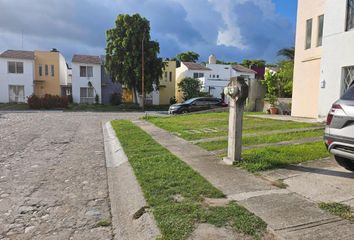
53 181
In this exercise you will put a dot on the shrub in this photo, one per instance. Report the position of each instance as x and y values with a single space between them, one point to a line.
47 102
173 100
97 99
116 98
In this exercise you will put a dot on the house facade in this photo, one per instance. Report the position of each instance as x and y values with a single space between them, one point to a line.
51 73
16 75
167 88
324 62
86 79
189 69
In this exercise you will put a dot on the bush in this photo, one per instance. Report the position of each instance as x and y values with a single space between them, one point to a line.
173 100
116 98
48 102
97 99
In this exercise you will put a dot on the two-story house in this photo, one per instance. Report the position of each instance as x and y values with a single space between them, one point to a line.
324 62
86 78
16 75
51 73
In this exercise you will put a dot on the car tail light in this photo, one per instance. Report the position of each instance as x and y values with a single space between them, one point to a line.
329 119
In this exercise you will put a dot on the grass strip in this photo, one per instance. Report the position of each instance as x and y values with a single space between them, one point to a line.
266 158
162 177
181 125
255 140
338 209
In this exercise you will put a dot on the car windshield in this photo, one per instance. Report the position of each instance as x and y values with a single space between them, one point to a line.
349 94
189 101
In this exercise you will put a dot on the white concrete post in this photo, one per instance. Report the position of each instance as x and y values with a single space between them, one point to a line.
238 92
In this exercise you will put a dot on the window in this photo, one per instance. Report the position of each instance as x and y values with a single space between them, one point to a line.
46 69
52 70
217 76
320 30
213 76
87 95
170 76
165 76
201 75
86 71
195 75
15 67
16 93
308 33
40 70
350 15
348 78
349 95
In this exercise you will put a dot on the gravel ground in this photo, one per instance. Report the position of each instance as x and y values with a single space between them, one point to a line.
53 181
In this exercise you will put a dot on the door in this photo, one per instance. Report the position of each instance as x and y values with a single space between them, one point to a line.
16 93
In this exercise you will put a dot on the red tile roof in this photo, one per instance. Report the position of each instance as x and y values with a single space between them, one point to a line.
18 54
86 59
240 68
195 66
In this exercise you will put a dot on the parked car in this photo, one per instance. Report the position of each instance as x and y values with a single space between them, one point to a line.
196 104
339 133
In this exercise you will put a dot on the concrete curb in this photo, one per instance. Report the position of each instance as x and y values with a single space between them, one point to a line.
130 220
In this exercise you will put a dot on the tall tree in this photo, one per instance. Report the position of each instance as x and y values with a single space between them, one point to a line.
288 53
124 54
258 62
188 56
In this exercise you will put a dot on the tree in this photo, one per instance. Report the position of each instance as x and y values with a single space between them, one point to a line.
271 82
188 57
258 62
285 75
191 88
288 53
124 54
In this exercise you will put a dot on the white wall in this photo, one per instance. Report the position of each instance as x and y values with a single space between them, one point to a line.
25 79
63 74
338 52
78 82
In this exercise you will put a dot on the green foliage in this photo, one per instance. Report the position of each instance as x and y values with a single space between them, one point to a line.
288 53
271 82
258 62
338 209
162 176
97 99
173 100
188 56
124 53
285 78
225 63
191 88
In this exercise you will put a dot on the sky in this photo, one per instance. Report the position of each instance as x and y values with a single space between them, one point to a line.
232 30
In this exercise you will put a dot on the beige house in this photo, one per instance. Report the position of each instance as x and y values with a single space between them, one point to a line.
324 62
307 58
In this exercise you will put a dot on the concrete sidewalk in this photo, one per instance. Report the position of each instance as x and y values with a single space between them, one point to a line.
288 214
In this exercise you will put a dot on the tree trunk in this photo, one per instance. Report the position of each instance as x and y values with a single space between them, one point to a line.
135 97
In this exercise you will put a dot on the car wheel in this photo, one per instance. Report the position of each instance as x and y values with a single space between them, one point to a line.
346 163
184 111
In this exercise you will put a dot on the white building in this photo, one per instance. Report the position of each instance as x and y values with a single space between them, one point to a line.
86 78
324 57
16 75
337 66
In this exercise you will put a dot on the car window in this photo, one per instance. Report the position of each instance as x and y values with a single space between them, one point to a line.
199 102
349 94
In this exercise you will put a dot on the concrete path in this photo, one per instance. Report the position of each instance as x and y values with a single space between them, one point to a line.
284 143
258 134
53 180
288 214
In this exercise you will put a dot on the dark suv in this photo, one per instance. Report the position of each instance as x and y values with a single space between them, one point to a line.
339 133
196 104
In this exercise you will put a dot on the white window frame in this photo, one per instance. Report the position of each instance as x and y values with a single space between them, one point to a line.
52 73
348 78
17 97
88 71
17 67
87 99
349 24
308 34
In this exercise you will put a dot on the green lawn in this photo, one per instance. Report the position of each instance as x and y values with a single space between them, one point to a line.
341 210
254 140
163 176
216 124
13 106
266 158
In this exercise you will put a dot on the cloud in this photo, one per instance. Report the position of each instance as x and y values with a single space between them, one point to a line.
231 29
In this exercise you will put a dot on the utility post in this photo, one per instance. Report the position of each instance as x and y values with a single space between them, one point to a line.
142 74
237 90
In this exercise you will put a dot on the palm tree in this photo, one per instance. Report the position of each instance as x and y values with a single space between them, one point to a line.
288 53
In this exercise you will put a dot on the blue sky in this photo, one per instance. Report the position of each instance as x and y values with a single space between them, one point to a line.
231 29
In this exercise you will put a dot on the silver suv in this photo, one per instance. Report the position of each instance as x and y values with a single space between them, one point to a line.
339 133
